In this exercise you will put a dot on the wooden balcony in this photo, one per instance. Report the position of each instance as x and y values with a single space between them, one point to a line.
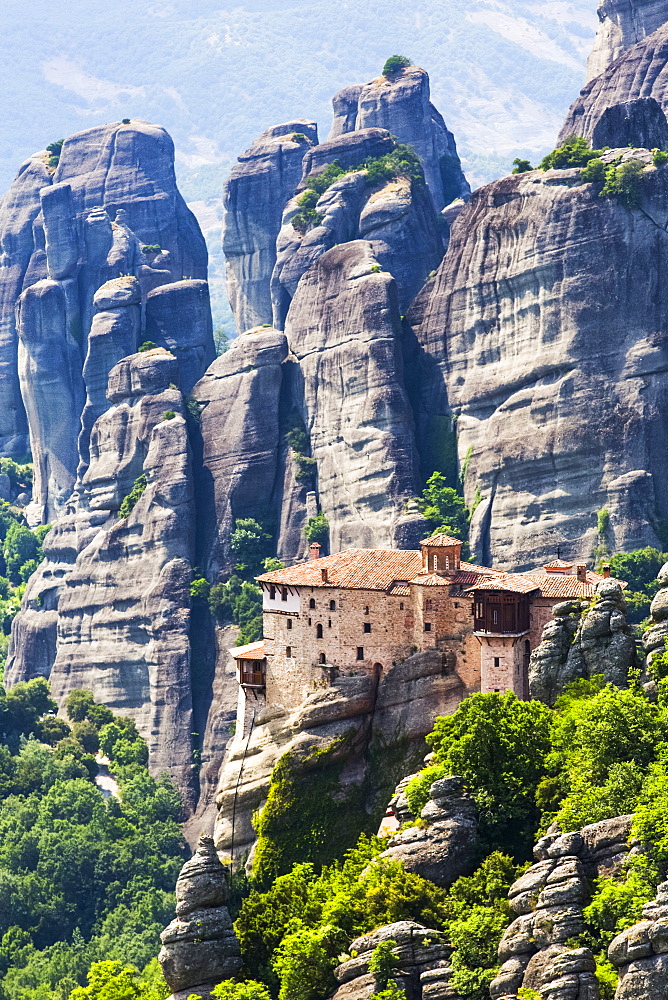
252 678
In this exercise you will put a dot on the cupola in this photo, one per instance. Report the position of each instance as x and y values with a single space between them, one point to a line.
441 553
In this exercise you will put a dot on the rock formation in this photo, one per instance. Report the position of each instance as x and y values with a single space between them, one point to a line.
640 953
515 340
622 24
548 901
56 223
258 188
396 217
401 105
639 72
199 948
443 848
654 639
423 971
406 701
356 410
581 641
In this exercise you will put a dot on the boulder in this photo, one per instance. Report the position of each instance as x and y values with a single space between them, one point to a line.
633 123
178 318
640 953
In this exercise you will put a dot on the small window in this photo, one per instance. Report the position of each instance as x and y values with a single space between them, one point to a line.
332 605
309 621
427 626
435 561
457 604
322 658
497 660
288 651
401 605
289 622
495 617
427 604
360 652
318 631
329 623
366 610
272 592
284 594
447 562
367 626
311 603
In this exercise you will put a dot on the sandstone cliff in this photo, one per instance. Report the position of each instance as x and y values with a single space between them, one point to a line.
555 377
622 24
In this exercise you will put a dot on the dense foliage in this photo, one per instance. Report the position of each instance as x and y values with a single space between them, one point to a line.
444 508
395 64
639 569
83 879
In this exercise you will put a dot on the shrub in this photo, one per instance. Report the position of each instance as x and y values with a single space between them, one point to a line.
521 166
130 501
55 149
249 543
148 345
444 508
395 64
151 248
660 156
250 990
317 530
384 963
594 172
625 183
169 415
575 152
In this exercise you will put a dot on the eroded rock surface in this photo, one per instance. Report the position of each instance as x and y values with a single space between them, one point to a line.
355 407
444 848
200 948
622 24
654 639
516 339
581 641
259 186
640 953
548 901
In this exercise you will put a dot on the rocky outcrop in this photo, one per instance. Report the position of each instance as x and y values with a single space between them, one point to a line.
57 224
443 848
401 105
548 901
639 72
199 948
239 398
396 217
581 641
640 953
258 188
178 318
634 123
622 24
517 340
355 407
351 716
654 639
423 970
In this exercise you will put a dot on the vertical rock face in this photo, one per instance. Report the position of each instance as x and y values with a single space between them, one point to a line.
401 105
178 318
21 239
517 339
640 953
639 72
199 948
548 901
580 642
344 329
654 639
240 399
113 190
622 24
258 188
635 123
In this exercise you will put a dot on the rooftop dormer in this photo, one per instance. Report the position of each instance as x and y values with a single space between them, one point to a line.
441 554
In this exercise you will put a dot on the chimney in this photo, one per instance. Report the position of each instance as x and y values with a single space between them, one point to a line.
606 570
324 574
581 572
314 550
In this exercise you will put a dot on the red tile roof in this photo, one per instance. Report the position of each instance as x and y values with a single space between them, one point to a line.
441 540
357 569
558 564
251 651
510 582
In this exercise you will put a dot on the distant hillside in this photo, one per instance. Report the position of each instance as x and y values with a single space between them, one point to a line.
216 73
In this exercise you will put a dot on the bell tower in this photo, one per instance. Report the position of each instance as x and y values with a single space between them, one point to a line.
441 554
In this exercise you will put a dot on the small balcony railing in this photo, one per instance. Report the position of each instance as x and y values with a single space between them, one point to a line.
252 678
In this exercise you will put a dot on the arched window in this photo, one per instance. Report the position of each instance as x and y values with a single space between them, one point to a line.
289 622
311 603
322 658
318 631
288 651
447 562
435 561
332 605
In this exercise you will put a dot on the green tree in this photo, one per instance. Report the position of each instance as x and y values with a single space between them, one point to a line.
521 166
249 543
130 501
78 703
384 963
575 152
444 508
250 990
499 744
20 546
317 530
304 962
395 64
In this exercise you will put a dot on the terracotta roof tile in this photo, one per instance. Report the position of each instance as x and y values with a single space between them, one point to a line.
400 590
251 651
558 564
441 540
510 582
357 569
556 585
